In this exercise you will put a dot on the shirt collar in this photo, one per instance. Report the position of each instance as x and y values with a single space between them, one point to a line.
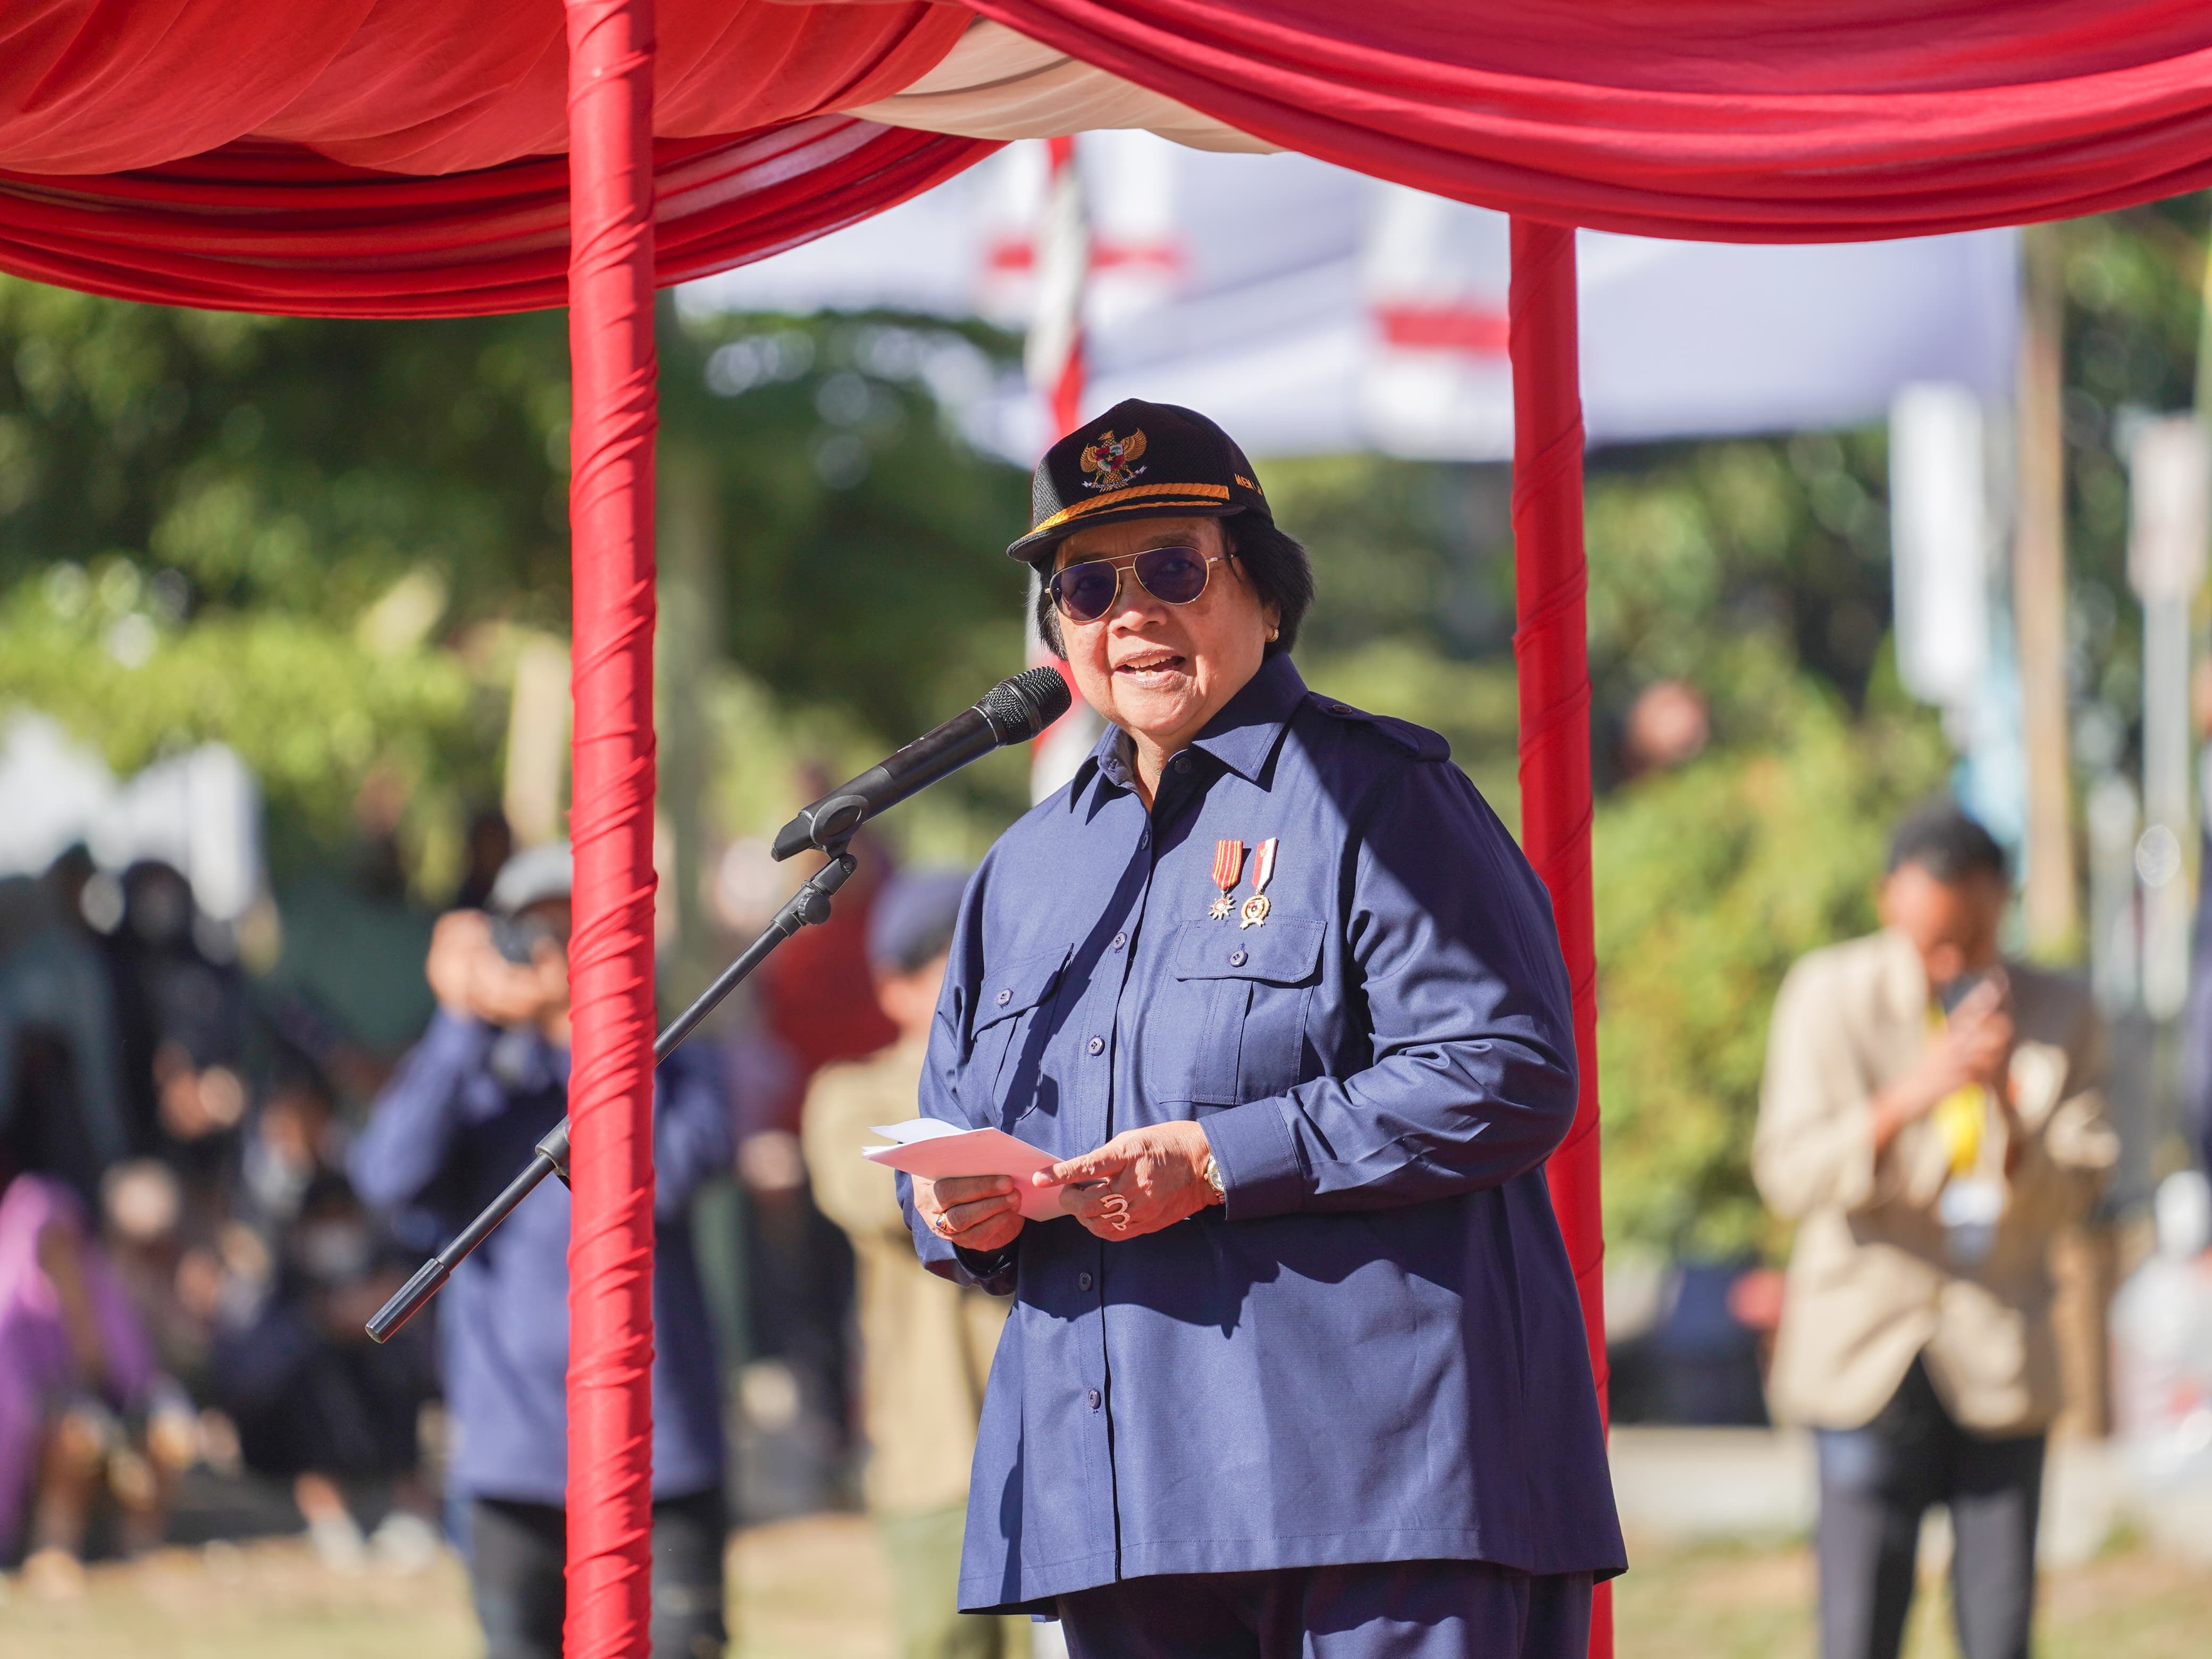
1242 737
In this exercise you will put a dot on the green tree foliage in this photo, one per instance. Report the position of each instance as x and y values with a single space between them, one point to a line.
309 707
1711 881
316 540
2134 316
1756 571
288 464
200 515
864 539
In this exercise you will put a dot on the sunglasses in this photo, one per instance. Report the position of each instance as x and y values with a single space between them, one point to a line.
1174 575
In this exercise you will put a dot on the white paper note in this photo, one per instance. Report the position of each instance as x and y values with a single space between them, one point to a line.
933 1149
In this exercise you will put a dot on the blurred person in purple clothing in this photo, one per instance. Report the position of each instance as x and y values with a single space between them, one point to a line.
84 1411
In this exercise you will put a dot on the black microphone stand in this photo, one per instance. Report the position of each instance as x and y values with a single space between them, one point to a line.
809 906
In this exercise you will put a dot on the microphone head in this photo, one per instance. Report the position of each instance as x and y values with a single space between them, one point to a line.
1019 708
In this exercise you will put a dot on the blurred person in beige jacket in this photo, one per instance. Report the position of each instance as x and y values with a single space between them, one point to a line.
1931 1118
925 1343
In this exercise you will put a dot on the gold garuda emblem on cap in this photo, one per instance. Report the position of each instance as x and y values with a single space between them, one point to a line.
1109 458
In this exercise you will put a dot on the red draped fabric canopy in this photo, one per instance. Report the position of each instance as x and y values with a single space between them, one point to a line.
424 157
382 158
1707 120
240 152
420 87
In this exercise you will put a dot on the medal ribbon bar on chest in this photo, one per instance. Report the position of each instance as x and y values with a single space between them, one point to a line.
1263 869
1228 870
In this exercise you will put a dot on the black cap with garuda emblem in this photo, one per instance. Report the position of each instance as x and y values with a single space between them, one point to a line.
1138 461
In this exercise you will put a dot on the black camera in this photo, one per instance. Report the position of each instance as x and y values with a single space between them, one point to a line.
517 937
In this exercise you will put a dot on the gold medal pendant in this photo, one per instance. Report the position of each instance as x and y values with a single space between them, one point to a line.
1263 869
1227 870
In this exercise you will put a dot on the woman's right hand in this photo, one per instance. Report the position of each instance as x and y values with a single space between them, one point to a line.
981 1213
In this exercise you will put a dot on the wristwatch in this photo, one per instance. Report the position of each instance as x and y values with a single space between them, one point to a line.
1212 1174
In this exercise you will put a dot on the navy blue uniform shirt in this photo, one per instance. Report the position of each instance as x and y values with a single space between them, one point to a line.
455 1125
1374 1352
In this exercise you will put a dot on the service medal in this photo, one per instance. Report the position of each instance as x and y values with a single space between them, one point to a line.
1227 870
1263 868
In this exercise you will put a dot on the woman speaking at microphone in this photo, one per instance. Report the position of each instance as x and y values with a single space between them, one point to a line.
1300 1372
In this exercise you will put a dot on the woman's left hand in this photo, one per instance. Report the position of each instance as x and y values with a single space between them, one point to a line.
1145 1179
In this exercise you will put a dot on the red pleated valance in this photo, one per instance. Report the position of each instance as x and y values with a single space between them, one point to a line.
408 157
405 157
257 226
1715 121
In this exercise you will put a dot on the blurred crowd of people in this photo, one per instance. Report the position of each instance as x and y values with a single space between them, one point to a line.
185 1267
210 1177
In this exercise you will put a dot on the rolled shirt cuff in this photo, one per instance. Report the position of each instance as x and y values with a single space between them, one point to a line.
993 1272
1261 1175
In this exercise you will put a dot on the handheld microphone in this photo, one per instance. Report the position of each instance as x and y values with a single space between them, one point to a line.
1012 711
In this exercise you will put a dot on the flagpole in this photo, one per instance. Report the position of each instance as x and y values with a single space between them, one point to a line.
1053 360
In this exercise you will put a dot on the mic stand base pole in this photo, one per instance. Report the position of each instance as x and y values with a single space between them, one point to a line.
808 907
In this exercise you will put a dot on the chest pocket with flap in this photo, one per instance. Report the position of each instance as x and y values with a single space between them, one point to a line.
1249 989
1008 1045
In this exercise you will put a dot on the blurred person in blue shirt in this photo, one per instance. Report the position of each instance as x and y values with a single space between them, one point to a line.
455 1125
317 1403
1300 1369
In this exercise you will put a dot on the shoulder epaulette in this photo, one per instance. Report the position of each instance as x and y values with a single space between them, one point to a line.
1416 740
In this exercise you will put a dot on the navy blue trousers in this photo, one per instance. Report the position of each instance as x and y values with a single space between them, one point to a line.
1877 1483
1371 1610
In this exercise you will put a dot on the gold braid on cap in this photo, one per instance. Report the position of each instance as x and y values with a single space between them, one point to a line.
1197 493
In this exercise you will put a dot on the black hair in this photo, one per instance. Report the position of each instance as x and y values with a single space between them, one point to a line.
1274 563
1948 845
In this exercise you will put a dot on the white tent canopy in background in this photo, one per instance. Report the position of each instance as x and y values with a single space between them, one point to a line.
199 810
1314 310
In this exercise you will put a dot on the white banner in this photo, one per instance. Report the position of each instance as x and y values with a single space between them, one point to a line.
1313 311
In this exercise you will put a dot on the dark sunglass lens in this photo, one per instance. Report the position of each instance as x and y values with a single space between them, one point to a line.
1085 592
1176 575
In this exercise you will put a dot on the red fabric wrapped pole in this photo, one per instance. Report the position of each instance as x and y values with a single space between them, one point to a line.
1551 649
611 270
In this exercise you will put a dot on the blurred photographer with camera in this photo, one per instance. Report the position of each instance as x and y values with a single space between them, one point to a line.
1930 1119
488 1080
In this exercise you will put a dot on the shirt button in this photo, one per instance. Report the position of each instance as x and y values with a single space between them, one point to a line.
1096 1045
1182 762
1121 939
1236 959
1082 1281
1144 838
1094 1399
1005 997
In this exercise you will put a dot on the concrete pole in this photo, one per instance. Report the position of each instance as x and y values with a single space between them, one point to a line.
691 640
2170 479
2039 601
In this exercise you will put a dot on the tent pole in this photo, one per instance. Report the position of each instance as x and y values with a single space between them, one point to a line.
611 510
1551 650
